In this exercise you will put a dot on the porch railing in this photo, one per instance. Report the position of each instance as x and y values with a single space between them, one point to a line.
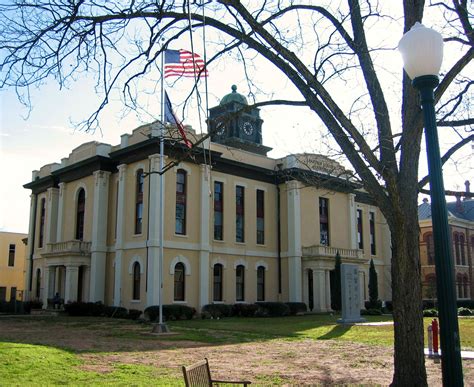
329 251
75 247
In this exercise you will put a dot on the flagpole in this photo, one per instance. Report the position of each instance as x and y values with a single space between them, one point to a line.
162 328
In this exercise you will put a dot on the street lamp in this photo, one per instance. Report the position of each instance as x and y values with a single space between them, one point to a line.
422 53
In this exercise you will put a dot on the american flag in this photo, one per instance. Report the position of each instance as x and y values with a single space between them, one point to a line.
183 63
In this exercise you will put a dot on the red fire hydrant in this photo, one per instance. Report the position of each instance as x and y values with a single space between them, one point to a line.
435 329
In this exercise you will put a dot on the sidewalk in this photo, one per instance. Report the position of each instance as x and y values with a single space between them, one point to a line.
464 354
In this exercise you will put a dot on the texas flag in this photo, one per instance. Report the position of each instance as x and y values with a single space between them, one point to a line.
171 118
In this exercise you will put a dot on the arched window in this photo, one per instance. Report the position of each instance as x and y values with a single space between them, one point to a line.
42 219
429 248
180 226
456 248
136 281
38 283
260 283
179 282
139 202
459 283
240 283
217 282
461 246
80 211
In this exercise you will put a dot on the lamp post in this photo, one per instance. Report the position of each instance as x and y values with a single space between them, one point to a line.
422 52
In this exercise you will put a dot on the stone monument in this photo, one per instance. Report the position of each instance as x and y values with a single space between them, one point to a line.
350 294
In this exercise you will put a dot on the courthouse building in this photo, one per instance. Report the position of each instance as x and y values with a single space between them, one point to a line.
238 226
12 265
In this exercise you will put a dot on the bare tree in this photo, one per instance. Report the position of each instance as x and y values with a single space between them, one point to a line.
317 48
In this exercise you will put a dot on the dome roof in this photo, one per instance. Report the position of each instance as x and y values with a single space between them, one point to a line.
233 97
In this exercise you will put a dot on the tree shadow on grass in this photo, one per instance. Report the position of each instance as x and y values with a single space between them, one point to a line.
337 331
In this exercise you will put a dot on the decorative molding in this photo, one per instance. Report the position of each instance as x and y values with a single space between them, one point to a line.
240 262
138 259
184 261
261 263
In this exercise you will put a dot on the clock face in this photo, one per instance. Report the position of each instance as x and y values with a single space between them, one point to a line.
220 127
247 127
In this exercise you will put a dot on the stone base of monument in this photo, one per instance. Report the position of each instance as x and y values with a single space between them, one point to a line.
160 328
351 320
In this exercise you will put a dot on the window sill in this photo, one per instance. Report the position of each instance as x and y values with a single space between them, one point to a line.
218 302
181 235
135 301
180 302
219 240
240 243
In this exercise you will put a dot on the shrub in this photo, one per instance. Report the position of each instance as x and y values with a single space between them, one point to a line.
371 312
85 309
244 310
465 304
373 305
430 313
134 314
216 310
428 304
16 307
389 306
115 311
34 304
272 309
465 312
296 308
170 312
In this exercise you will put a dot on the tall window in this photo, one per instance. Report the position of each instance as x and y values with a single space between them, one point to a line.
461 246
240 283
38 283
218 210
179 282
136 281
260 283
324 221
239 214
218 282
429 248
459 286
456 248
81 207
360 231
466 286
13 293
373 249
11 255
139 202
260 217
180 227
42 219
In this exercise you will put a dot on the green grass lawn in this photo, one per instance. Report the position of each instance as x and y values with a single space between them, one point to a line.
22 362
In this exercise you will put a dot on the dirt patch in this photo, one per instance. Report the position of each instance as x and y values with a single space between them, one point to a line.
103 345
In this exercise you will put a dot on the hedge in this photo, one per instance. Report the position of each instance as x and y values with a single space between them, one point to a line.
170 312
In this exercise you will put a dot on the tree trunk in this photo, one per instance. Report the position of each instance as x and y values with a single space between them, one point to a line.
409 359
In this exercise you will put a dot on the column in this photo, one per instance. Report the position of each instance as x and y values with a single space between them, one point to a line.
86 291
153 243
328 289
205 224
57 285
72 279
122 168
48 275
30 248
319 290
294 241
99 237
362 288
305 287
61 200
51 225
352 222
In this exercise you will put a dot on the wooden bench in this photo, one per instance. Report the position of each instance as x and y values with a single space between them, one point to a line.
198 374
52 304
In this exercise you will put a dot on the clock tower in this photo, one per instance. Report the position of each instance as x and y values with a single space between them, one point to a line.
234 124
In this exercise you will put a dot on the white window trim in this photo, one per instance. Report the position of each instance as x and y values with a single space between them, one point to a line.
219 260
184 261
138 259
261 263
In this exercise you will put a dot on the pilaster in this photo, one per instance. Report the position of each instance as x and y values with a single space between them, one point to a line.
205 225
120 226
61 200
72 278
52 198
352 210
294 241
99 237
29 248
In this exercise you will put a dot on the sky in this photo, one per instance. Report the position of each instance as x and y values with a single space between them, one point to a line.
47 133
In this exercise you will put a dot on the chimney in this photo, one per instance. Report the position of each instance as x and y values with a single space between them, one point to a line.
468 189
459 206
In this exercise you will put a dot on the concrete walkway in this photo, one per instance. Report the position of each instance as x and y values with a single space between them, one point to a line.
464 354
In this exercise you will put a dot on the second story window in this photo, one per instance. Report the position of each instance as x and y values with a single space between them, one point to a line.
42 220
11 255
260 217
456 248
239 214
324 221
80 212
139 202
218 210
180 226
373 250
360 231
461 245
